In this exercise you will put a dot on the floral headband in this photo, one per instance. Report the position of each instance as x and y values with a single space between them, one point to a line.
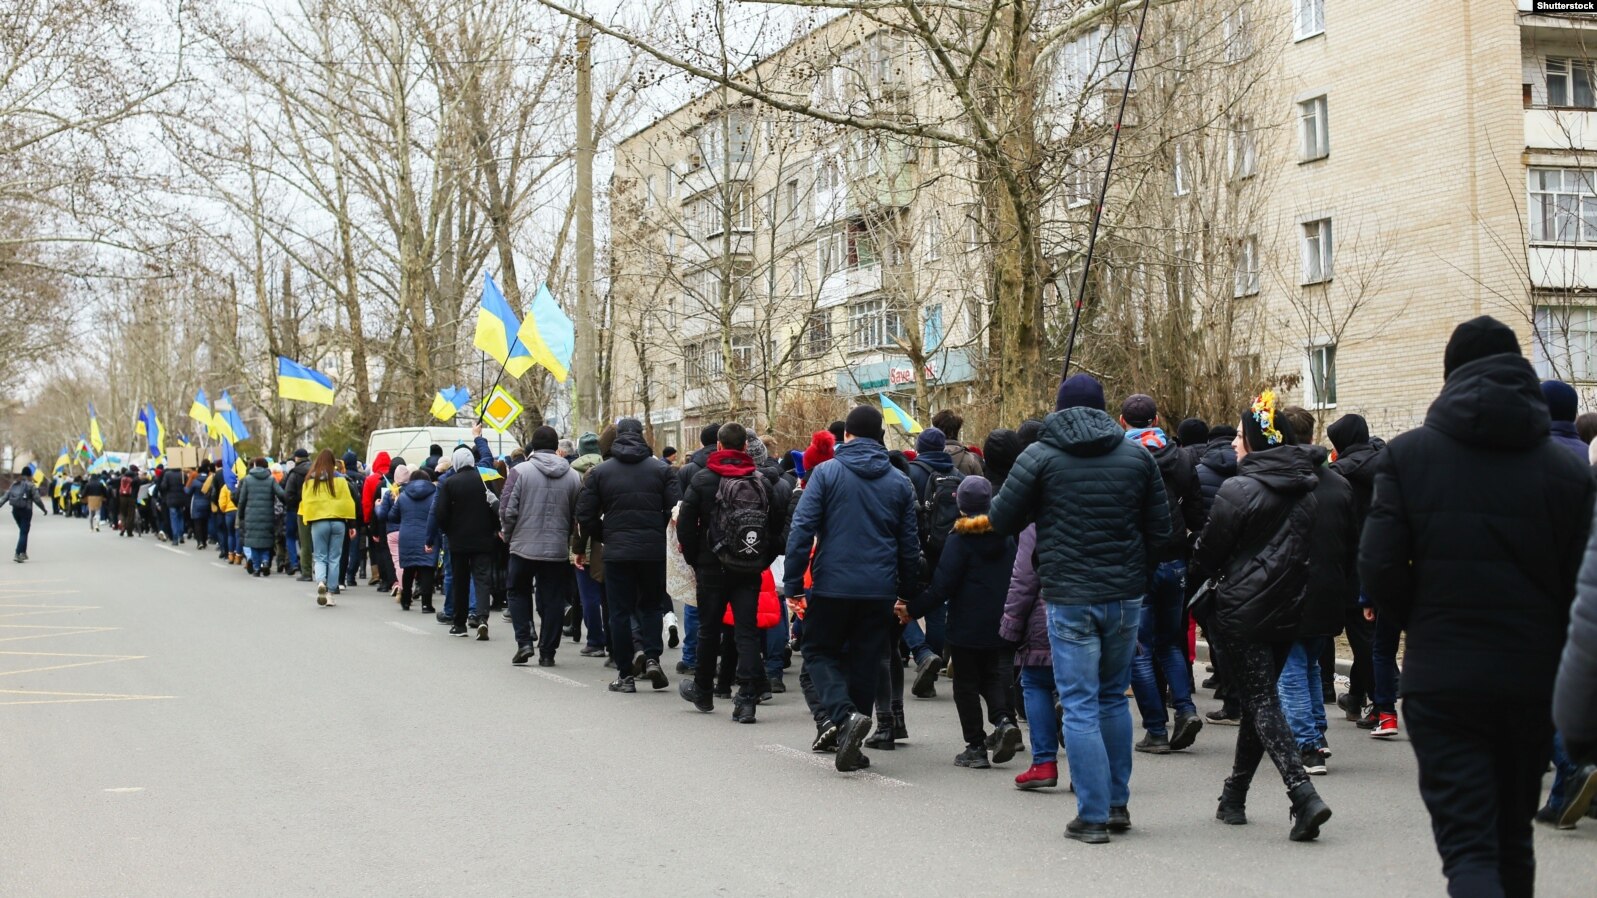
1263 411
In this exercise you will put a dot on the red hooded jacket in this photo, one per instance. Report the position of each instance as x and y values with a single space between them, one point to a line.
368 493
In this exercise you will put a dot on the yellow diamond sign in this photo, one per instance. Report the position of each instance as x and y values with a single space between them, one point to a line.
499 410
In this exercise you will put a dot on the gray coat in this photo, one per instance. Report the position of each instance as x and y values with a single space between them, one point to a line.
257 508
1575 693
536 510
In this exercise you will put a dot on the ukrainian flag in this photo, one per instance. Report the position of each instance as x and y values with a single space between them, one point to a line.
94 430
139 427
488 473
200 411
228 422
892 414
295 381
62 461
448 402
155 434
498 331
549 335
232 467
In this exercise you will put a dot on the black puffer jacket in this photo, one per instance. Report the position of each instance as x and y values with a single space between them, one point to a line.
461 512
1475 537
698 507
172 489
1333 552
1219 464
294 485
1182 491
1358 465
1257 542
1099 505
626 501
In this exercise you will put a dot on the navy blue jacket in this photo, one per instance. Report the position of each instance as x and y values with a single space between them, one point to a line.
941 462
862 513
408 514
972 576
1564 434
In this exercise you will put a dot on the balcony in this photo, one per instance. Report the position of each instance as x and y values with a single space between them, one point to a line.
1562 267
706 175
1560 129
841 286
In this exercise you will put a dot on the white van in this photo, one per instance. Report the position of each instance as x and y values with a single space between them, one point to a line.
412 443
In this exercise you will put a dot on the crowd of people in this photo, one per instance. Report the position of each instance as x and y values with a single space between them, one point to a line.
1056 574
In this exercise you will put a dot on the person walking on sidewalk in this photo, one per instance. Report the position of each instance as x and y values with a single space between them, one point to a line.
22 497
327 510
536 514
1099 505
1473 544
95 493
258 495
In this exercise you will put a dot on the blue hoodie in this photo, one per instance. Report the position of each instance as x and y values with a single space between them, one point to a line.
941 462
859 513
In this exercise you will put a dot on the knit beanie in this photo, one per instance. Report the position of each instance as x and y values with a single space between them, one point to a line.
1079 391
1348 431
629 425
401 475
1563 403
1192 432
864 421
588 444
351 460
974 495
1477 338
931 440
756 449
1263 427
821 449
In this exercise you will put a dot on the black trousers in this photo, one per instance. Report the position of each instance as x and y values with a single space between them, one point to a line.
1481 779
890 682
634 590
717 589
1254 669
1361 679
844 643
553 582
464 568
377 548
418 580
982 675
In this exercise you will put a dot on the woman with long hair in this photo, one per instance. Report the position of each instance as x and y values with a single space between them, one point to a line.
328 509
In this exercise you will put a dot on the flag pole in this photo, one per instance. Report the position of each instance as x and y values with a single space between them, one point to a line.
1103 191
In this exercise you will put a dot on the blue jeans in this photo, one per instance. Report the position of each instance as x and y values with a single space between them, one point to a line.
1092 647
327 551
235 539
925 643
352 556
591 592
690 643
260 559
291 540
1302 702
1162 642
1563 770
1037 692
175 516
24 518
775 645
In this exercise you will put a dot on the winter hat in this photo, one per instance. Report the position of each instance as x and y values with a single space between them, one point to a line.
1139 410
864 421
545 439
401 475
974 495
796 458
1477 338
302 452
1348 431
1029 431
822 447
930 440
1562 401
629 425
669 453
1079 391
1263 427
394 462
710 435
606 440
1192 432
1001 450
463 458
443 465
1222 432
588 444
910 454
756 449
351 460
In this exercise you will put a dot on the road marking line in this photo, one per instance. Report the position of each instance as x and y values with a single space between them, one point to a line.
126 789
555 678
71 631
823 760
99 659
220 565
170 549
408 628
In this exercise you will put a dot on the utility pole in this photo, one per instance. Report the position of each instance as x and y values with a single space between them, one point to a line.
587 351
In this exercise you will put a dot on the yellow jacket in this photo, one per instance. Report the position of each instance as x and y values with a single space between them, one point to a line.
318 504
224 500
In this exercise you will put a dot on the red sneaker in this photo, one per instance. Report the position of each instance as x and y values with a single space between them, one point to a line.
1385 726
1039 776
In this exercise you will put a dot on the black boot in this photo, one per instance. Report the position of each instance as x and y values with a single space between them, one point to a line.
1308 813
1233 799
743 708
883 737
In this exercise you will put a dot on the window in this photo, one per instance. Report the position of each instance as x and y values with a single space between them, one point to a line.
742 199
798 280
742 351
817 334
794 211
1320 387
1235 28
872 325
1317 251
931 327
1565 345
1569 83
672 377
1247 267
1313 130
734 132
862 251
934 235
1242 152
1308 18
648 192
1179 166
693 359
831 250
1079 191
1563 205
826 175
704 362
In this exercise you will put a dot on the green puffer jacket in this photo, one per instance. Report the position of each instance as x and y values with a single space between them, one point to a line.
257 508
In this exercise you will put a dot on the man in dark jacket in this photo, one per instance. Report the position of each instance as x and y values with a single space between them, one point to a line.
1473 543
858 515
462 513
1217 463
1102 516
625 504
1333 557
696 462
296 533
1355 460
536 514
704 545
354 549
1563 405
173 498
932 460
1162 633
1575 695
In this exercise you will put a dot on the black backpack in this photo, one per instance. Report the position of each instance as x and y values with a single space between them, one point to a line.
938 508
739 526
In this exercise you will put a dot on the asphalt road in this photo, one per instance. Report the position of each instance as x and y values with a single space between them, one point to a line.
170 727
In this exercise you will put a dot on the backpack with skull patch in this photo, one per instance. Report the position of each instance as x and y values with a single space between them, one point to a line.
739 527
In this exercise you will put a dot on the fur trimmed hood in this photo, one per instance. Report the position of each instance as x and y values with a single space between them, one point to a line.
973 524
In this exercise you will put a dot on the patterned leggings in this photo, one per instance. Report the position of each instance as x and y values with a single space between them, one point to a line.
1254 669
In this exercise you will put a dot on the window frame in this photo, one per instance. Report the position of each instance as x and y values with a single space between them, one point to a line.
1318 251
1572 69
1316 19
1315 144
1320 376
1562 362
1245 270
1545 206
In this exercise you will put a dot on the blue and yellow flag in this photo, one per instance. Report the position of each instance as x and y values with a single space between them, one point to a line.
232 467
62 461
200 410
498 331
228 422
488 473
549 335
448 402
295 381
139 427
94 431
155 434
892 414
